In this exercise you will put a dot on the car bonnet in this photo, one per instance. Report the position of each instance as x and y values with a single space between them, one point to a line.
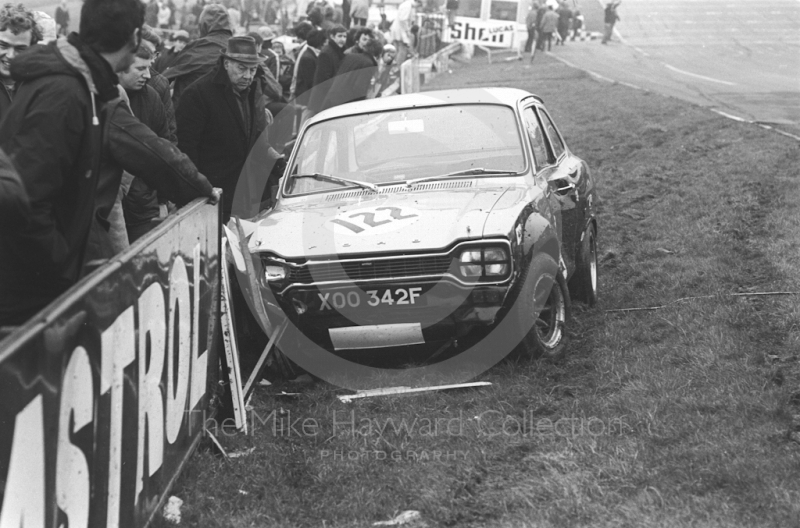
386 223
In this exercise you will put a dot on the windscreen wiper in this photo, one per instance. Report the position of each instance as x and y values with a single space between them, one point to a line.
465 172
336 179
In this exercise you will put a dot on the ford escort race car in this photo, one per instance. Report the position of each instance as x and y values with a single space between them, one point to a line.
419 218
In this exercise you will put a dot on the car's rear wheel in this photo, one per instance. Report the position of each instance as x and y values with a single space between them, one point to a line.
547 337
584 282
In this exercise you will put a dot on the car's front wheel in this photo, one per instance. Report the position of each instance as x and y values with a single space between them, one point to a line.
547 337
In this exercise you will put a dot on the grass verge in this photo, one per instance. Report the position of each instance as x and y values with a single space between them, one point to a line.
682 416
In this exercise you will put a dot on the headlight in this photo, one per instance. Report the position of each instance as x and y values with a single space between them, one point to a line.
273 273
494 255
486 262
471 271
472 255
495 270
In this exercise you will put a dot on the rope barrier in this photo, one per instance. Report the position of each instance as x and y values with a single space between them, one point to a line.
651 308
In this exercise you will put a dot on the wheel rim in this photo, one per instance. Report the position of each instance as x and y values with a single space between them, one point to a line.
550 323
593 262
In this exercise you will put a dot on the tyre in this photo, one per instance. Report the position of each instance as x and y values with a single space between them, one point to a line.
584 282
547 337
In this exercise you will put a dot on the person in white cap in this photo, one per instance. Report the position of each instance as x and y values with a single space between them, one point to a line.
47 25
387 78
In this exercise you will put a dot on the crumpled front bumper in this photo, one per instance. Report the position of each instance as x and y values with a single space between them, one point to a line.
338 318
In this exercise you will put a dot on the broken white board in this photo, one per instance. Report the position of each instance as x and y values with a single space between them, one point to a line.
391 391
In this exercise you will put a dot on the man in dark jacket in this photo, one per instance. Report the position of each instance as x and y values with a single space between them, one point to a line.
610 17
361 36
151 13
547 27
199 57
141 203
328 62
158 82
62 18
52 133
14 204
18 32
530 24
355 74
539 16
221 118
304 69
129 145
564 21
175 45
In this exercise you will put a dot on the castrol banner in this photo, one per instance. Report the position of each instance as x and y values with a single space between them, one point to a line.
103 394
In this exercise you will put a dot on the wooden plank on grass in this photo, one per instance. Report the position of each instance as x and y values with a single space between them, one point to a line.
231 347
250 385
391 391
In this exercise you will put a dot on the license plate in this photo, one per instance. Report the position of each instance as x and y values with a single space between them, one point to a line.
376 336
367 298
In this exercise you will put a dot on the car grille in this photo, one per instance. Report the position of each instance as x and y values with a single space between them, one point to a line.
393 268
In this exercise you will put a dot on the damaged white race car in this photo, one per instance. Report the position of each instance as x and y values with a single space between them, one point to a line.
420 218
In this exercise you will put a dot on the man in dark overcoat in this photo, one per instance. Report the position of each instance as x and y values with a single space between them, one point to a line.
199 57
221 119
306 66
328 62
357 70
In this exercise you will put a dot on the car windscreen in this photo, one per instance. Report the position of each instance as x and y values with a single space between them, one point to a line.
402 145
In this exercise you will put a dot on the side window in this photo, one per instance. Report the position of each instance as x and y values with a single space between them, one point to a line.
541 153
555 139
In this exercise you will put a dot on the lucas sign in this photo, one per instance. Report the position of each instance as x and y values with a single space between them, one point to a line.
102 395
488 33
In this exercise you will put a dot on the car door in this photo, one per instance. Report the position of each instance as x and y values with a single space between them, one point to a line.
570 188
551 171
543 160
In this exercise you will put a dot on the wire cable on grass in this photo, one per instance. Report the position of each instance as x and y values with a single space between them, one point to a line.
650 308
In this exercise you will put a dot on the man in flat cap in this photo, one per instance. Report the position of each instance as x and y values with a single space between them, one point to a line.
221 120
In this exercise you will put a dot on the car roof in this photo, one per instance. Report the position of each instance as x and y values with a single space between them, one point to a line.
504 96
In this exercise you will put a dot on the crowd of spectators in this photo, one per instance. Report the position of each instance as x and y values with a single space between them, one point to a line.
546 24
106 130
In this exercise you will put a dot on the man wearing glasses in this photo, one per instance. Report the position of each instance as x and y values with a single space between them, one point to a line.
52 133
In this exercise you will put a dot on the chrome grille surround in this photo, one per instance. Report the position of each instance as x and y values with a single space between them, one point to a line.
428 266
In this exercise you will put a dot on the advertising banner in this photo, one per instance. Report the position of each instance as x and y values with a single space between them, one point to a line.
103 394
487 33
